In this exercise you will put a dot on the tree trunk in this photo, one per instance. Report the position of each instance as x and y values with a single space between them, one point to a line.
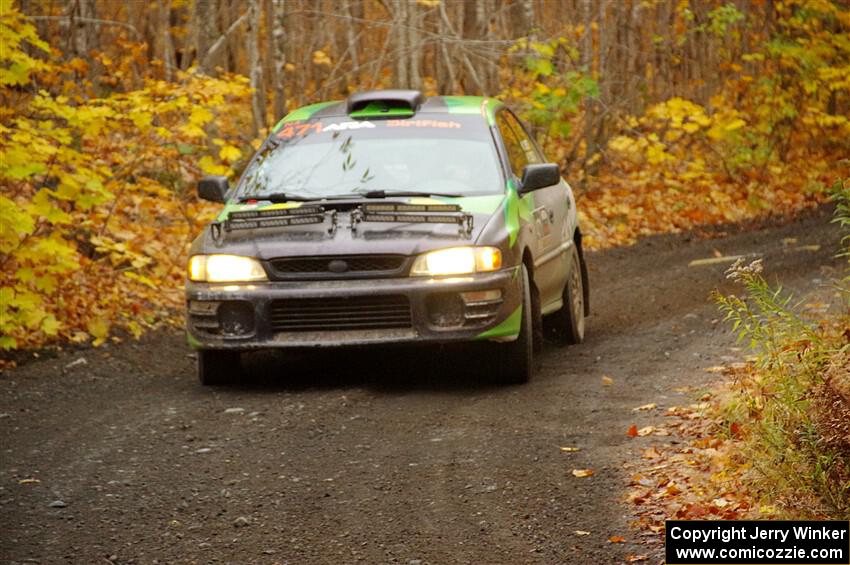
446 74
522 18
636 61
231 14
206 31
268 57
258 102
351 35
587 63
166 41
414 52
278 30
81 35
402 79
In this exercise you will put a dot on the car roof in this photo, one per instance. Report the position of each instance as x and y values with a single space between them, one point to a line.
382 104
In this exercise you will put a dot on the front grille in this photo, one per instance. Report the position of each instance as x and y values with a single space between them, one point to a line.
340 314
337 266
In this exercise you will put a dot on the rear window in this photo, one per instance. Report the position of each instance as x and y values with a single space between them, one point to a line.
339 156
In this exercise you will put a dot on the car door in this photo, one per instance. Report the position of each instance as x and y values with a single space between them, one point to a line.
551 207
517 160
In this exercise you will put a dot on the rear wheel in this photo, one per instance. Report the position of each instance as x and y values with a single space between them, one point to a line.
217 367
568 322
517 357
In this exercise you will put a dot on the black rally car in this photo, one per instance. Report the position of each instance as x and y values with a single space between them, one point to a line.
389 218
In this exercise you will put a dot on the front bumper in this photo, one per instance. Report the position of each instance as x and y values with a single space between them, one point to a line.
354 312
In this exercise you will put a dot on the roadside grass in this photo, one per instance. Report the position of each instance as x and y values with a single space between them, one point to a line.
792 464
797 455
772 440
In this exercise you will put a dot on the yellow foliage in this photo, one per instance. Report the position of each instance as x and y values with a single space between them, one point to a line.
321 58
209 166
119 169
229 153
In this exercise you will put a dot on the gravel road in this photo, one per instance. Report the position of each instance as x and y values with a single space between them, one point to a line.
117 455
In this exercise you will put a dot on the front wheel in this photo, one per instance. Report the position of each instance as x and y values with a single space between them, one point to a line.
217 367
568 322
517 357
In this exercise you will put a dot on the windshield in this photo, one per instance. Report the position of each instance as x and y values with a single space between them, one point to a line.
334 157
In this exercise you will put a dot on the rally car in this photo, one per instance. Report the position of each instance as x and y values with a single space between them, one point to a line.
389 218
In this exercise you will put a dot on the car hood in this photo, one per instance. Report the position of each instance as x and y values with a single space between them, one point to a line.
367 238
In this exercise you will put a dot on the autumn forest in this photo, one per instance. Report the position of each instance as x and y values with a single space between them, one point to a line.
665 116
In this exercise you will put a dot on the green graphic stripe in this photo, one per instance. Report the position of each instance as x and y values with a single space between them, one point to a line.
463 104
508 328
303 113
192 341
473 105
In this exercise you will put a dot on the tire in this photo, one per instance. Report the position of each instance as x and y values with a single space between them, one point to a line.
217 367
568 323
517 357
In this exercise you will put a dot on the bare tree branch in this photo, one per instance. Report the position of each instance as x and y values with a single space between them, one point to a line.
219 43
96 21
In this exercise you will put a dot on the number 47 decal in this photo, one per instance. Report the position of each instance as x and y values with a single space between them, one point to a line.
301 129
298 129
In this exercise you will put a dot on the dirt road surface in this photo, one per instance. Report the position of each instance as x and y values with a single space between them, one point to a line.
117 455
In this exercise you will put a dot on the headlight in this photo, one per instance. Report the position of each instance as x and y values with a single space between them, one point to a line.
457 261
225 268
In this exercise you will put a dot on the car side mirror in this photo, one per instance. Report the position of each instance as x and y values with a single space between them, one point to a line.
213 188
539 176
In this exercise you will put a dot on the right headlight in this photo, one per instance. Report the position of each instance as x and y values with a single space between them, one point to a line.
225 268
457 261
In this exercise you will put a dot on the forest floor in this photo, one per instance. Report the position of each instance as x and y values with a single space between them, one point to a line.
117 455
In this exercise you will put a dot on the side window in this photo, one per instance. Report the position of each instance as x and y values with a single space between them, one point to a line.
516 153
528 147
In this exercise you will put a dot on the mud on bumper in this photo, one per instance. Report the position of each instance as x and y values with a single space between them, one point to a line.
354 312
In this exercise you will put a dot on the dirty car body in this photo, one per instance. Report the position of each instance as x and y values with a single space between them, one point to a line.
385 218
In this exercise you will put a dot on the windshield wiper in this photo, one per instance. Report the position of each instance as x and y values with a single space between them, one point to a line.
277 197
391 193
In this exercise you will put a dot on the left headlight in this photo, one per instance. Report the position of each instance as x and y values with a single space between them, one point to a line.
457 261
225 268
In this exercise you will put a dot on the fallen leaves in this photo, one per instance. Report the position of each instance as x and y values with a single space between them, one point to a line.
616 539
570 449
582 473
645 407
735 430
581 533
633 431
607 381
693 478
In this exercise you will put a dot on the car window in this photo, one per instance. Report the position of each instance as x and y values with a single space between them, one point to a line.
525 142
516 154
339 156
